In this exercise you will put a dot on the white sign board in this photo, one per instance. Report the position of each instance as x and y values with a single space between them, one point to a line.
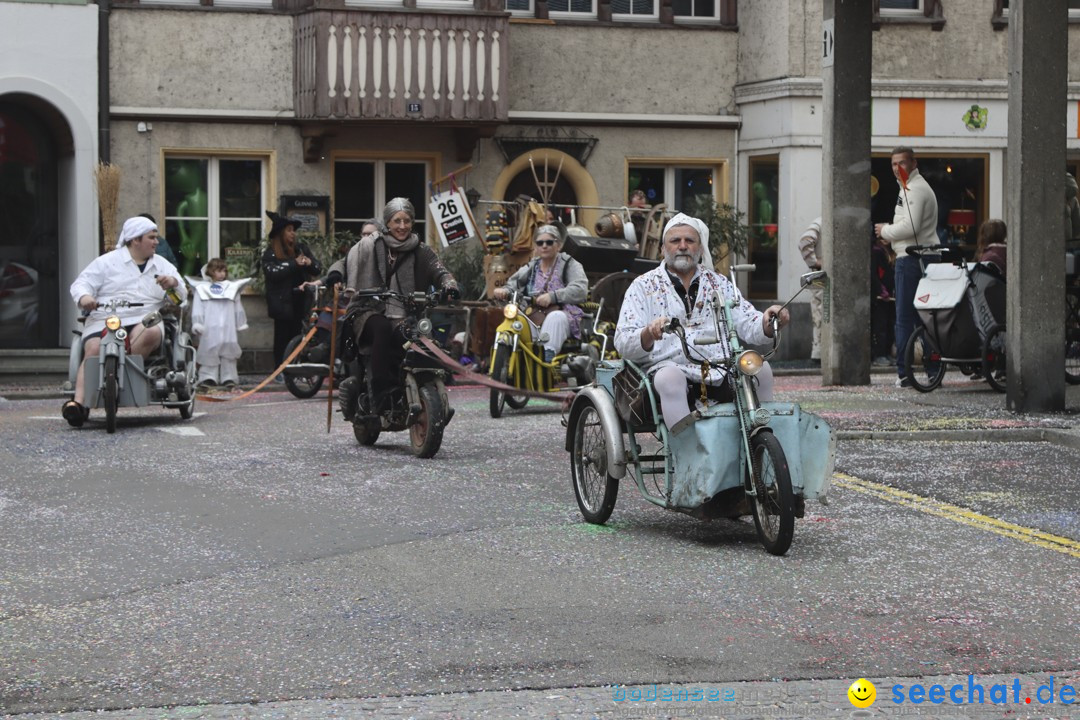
827 54
452 217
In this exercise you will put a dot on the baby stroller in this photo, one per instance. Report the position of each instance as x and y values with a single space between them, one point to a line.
961 307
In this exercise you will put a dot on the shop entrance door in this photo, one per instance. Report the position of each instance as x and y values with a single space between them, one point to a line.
29 244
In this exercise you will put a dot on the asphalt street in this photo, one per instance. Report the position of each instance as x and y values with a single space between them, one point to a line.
247 563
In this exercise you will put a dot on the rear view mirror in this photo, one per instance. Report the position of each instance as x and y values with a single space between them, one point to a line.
151 319
816 278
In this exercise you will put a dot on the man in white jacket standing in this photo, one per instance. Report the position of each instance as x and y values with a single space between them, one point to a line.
914 224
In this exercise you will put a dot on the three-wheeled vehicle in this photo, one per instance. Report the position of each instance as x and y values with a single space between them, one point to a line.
725 460
517 356
115 378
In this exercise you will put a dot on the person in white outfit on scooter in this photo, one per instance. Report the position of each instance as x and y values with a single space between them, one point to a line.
131 272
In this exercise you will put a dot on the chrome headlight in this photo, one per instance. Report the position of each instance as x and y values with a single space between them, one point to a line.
517 326
510 311
112 322
424 326
121 334
750 362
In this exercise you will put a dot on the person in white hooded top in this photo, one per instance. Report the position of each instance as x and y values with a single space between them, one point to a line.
217 315
681 287
131 272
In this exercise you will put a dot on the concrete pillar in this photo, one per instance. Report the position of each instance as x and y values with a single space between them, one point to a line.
845 190
1034 191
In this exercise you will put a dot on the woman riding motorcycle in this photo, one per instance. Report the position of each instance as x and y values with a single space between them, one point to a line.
394 259
557 284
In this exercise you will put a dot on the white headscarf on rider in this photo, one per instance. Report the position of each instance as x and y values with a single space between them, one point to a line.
133 229
702 231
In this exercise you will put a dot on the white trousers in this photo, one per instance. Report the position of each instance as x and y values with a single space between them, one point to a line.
670 384
557 327
221 373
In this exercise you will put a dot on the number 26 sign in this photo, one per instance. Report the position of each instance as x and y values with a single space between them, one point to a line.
452 217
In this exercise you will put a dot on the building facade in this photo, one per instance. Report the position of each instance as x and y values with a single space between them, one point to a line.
219 109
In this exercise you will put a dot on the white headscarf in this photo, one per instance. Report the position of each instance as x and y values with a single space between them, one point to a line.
133 229
702 231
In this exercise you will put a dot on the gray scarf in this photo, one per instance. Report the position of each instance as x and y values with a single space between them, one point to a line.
368 263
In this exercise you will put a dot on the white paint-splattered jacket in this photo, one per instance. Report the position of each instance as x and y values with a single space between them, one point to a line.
653 295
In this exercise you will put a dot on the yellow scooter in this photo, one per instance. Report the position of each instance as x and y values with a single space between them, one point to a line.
517 357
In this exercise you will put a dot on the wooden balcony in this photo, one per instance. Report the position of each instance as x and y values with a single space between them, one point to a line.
427 67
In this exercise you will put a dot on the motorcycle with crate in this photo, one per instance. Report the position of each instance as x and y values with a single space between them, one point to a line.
725 460
116 378
419 402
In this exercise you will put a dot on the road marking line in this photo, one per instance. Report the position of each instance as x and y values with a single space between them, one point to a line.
182 430
961 515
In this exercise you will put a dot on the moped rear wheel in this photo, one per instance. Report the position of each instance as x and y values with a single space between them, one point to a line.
922 359
112 392
993 367
426 432
302 386
595 490
774 502
500 370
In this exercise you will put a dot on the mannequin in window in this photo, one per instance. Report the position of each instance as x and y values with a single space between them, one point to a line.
187 179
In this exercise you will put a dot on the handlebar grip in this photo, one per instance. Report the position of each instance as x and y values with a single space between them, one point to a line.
749 267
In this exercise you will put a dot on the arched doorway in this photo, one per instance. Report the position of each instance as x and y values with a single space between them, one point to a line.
574 183
29 206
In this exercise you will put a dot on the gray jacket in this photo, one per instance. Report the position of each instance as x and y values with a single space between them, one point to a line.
577 284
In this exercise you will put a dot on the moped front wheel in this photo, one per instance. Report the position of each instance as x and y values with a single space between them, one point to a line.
500 371
774 501
112 392
426 432
595 490
301 386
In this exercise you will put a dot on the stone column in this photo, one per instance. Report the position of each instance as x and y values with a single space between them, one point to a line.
1035 196
847 41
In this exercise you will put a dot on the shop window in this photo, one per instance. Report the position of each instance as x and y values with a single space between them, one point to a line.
960 183
762 217
363 187
677 186
214 208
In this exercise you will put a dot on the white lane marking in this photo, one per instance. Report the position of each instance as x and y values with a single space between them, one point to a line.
183 430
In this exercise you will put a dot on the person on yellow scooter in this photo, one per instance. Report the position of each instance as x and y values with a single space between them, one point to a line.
557 284
681 287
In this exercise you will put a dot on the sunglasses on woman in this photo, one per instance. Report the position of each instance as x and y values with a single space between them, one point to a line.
542 243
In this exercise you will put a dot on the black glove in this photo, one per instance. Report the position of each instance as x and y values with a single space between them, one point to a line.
451 295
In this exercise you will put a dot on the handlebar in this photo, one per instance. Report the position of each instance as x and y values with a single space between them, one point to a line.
111 305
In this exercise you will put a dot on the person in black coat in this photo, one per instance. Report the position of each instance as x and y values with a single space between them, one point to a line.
286 264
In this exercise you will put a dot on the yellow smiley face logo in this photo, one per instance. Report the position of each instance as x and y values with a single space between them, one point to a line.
862 693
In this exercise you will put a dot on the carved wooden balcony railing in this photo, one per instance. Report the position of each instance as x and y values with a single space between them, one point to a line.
358 64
